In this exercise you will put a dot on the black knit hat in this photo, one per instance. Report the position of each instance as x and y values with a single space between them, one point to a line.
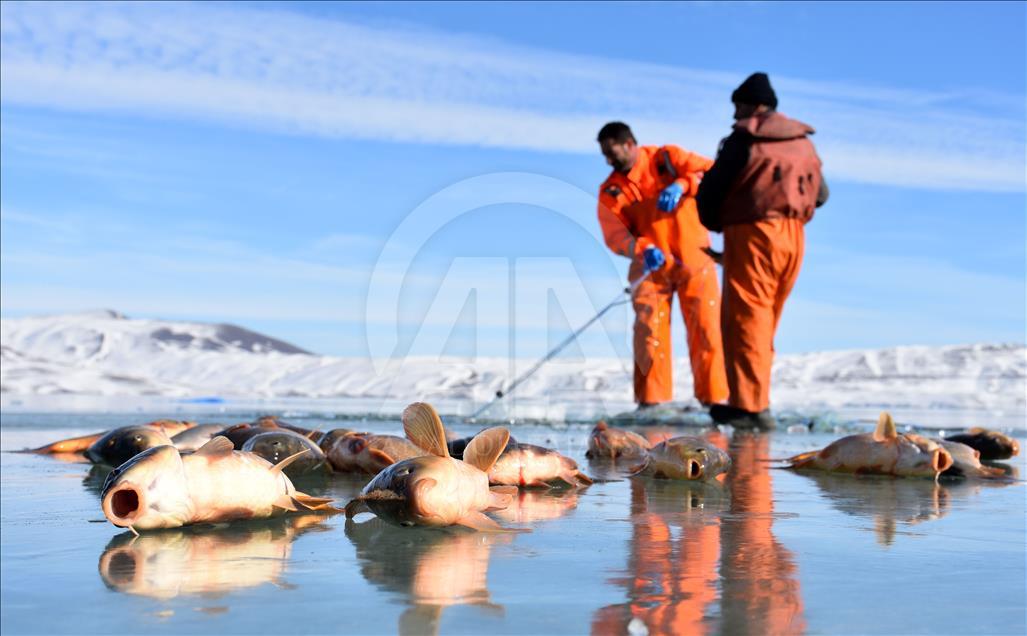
755 89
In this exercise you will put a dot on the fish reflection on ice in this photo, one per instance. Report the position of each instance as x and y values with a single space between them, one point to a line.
696 543
891 503
202 561
529 506
432 569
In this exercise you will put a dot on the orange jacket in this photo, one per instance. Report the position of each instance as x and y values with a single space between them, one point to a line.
628 214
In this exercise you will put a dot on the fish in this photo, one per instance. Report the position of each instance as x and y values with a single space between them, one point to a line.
457 445
162 488
527 466
275 446
195 437
122 444
370 453
992 445
611 442
239 434
687 458
531 506
883 452
966 462
329 438
436 490
83 442
203 560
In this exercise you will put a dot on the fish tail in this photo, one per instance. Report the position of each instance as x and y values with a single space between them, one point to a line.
802 460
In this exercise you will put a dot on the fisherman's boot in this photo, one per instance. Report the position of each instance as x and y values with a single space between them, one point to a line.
742 419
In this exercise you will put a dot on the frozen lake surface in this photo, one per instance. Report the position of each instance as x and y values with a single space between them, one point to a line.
766 551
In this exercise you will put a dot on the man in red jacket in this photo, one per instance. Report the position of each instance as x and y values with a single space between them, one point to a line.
761 191
647 213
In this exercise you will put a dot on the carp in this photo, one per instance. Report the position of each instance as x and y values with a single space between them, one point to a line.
966 462
276 446
122 444
161 488
992 445
328 438
370 453
435 489
83 442
611 442
195 437
527 466
688 458
883 452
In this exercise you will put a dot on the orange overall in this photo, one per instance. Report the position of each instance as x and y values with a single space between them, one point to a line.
631 222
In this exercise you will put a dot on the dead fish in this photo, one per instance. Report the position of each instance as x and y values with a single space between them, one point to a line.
883 452
276 446
239 434
437 490
161 488
195 437
527 466
328 438
991 444
83 442
966 462
607 441
531 506
370 453
122 444
457 446
687 457
203 561
273 421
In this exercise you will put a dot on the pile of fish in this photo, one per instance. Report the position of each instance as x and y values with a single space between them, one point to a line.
169 473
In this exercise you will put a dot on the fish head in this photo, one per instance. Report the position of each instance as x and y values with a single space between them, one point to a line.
148 491
276 446
122 444
331 437
921 457
692 459
408 492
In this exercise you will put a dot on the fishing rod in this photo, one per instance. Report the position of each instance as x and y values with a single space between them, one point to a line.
619 300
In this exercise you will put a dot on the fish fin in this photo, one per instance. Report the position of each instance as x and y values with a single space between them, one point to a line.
638 469
885 428
505 490
286 502
319 504
381 456
478 521
499 501
355 507
583 478
216 446
280 466
486 447
802 459
423 427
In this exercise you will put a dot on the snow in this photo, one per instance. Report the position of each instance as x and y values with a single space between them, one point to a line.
106 355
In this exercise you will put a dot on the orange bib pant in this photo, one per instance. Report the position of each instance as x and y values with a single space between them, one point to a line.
761 264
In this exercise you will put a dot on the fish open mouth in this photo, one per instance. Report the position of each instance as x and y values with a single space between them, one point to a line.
123 505
942 460
694 469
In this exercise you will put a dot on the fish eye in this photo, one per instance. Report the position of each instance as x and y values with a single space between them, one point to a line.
701 450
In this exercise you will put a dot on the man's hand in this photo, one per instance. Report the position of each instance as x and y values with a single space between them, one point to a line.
669 197
654 258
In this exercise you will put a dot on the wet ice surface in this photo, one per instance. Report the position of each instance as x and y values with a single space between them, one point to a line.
766 551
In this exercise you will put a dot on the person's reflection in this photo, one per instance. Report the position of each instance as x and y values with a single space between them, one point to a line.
760 590
203 560
675 548
432 568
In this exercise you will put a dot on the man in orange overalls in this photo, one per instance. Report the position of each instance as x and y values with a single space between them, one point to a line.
647 213
761 192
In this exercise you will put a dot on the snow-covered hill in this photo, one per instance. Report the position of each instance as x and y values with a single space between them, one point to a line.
104 353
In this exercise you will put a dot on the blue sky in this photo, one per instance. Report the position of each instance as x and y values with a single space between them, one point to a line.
394 178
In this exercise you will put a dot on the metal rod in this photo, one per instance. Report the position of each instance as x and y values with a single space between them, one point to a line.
619 300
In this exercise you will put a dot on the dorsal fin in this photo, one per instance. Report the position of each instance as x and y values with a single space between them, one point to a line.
486 447
216 446
280 466
423 427
885 428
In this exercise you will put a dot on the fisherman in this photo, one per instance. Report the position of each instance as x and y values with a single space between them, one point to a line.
647 213
760 192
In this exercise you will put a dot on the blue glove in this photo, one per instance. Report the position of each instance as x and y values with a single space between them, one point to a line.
669 197
654 258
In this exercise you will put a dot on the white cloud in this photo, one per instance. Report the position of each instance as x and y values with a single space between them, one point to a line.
279 71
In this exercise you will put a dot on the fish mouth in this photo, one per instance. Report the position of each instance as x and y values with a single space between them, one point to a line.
118 567
694 469
123 505
942 460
